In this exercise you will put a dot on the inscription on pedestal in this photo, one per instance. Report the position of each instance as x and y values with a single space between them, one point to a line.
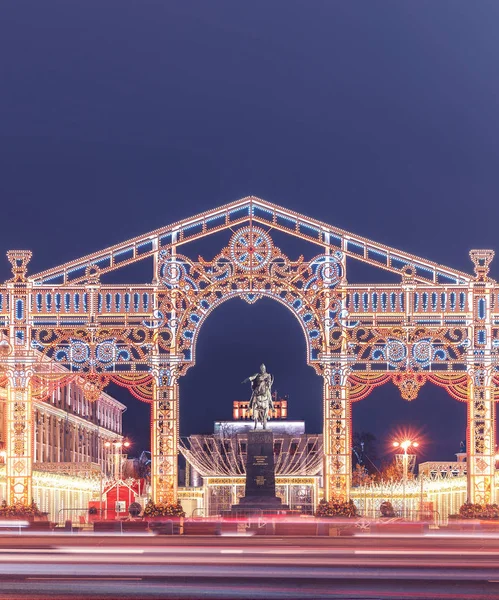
260 473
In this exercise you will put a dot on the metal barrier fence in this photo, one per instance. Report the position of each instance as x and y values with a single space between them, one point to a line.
431 517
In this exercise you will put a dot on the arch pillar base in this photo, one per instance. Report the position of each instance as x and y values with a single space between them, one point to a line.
19 446
481 445
164 442
337 434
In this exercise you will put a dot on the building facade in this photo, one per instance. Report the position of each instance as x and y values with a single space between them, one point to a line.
70 429
74 450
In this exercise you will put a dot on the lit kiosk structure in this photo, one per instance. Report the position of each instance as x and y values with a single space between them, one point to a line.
216 463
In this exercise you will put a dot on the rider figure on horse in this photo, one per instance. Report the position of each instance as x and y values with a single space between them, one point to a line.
261 398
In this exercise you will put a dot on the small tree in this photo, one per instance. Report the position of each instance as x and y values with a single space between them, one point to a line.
393 471
386 509
360 476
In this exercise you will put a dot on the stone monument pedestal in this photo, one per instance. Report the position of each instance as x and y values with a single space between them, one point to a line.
260 475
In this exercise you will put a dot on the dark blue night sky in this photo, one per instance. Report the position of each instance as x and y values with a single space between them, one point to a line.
118 117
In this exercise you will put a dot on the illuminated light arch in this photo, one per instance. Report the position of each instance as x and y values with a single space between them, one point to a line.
438 324
303 325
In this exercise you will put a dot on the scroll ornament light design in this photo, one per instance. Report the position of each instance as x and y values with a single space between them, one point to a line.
250 267
409 352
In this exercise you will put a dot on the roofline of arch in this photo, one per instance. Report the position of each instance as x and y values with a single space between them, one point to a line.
264 213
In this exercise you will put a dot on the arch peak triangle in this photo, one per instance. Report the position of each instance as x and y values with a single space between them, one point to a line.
268 215
437 325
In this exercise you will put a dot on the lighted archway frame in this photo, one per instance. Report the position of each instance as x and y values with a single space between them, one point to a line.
437 324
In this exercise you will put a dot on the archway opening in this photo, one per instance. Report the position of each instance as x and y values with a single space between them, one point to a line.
233 341
136 419
438 420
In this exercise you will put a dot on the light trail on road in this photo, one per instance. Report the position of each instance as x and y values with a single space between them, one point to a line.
188 568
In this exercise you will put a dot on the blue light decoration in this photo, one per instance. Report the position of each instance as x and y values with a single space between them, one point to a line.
82 355
173 270
244 269
481 308
420 350
19 310
327 271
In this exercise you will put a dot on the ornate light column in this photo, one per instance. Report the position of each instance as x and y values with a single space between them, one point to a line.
481 408
17 359
337 429
19 435
164 409
337 441
164 435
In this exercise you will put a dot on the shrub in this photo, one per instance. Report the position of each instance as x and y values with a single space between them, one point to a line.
490 511
386 509
336 507
163 509
135 509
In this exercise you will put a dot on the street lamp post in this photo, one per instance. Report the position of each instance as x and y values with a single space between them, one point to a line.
405 445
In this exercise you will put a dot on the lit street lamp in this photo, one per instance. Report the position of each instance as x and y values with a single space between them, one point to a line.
118 449
118 446
405 445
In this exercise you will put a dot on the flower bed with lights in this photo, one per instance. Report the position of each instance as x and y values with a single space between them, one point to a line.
475 516
163 509
335 517
28 512
164 518
336 508
477 511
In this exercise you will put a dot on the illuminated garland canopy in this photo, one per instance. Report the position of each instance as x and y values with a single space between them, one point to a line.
436 324
213 456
